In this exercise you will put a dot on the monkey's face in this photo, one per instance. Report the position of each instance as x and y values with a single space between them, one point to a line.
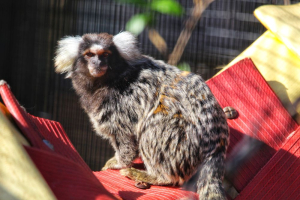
97 60
101 56
96 53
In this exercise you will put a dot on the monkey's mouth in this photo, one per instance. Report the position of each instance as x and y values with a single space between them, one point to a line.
98 71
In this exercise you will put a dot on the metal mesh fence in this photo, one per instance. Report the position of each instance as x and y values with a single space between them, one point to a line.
30 30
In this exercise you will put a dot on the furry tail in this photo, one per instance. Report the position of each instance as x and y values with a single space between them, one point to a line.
211 174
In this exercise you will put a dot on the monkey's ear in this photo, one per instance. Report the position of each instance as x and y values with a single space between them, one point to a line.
126 44
66 54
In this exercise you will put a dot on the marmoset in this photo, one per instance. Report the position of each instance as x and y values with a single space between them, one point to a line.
148 108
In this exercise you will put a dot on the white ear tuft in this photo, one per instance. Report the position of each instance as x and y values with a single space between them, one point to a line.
126 44
66 54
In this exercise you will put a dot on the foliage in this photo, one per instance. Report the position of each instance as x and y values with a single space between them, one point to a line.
150 8
184 66
146 18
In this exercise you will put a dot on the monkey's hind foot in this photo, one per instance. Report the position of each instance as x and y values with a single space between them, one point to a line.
137 175
143 176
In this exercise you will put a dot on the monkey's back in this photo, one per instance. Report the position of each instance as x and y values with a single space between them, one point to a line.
185 126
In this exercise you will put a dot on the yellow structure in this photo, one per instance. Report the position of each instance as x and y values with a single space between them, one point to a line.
19 178
276 53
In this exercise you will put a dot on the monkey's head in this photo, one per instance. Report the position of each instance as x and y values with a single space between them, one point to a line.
96 55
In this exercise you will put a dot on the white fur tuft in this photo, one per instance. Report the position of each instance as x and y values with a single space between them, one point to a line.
3 82
126 44
66 54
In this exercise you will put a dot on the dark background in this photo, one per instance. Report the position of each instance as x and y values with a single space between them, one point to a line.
30 30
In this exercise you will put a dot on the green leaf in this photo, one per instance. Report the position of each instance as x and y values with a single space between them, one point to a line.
137 23
135 2
170 7
184 66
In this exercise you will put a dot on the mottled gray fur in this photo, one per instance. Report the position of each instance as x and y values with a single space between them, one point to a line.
150 109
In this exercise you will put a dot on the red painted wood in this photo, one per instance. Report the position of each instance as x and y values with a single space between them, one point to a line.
63 169
261 114
280 177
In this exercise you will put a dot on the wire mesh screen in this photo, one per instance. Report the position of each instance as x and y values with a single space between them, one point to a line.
30 30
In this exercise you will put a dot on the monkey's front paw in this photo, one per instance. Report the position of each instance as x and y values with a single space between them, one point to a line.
111 164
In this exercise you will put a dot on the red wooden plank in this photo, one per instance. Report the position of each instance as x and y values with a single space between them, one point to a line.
261 114
280 177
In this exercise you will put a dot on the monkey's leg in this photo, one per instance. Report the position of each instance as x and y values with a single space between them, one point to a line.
209 184
126 152
143 176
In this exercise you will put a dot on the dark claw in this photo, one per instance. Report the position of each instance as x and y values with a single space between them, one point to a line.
230 112
142 185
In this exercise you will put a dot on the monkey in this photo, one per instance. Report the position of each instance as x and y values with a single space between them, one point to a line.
149 109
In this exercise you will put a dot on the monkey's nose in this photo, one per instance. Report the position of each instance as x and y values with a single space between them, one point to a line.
96 62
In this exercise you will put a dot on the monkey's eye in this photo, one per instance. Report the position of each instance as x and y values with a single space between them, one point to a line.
90 54
105 54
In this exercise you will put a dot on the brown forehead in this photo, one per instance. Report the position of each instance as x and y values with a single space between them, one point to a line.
101 37
96 51
97 43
